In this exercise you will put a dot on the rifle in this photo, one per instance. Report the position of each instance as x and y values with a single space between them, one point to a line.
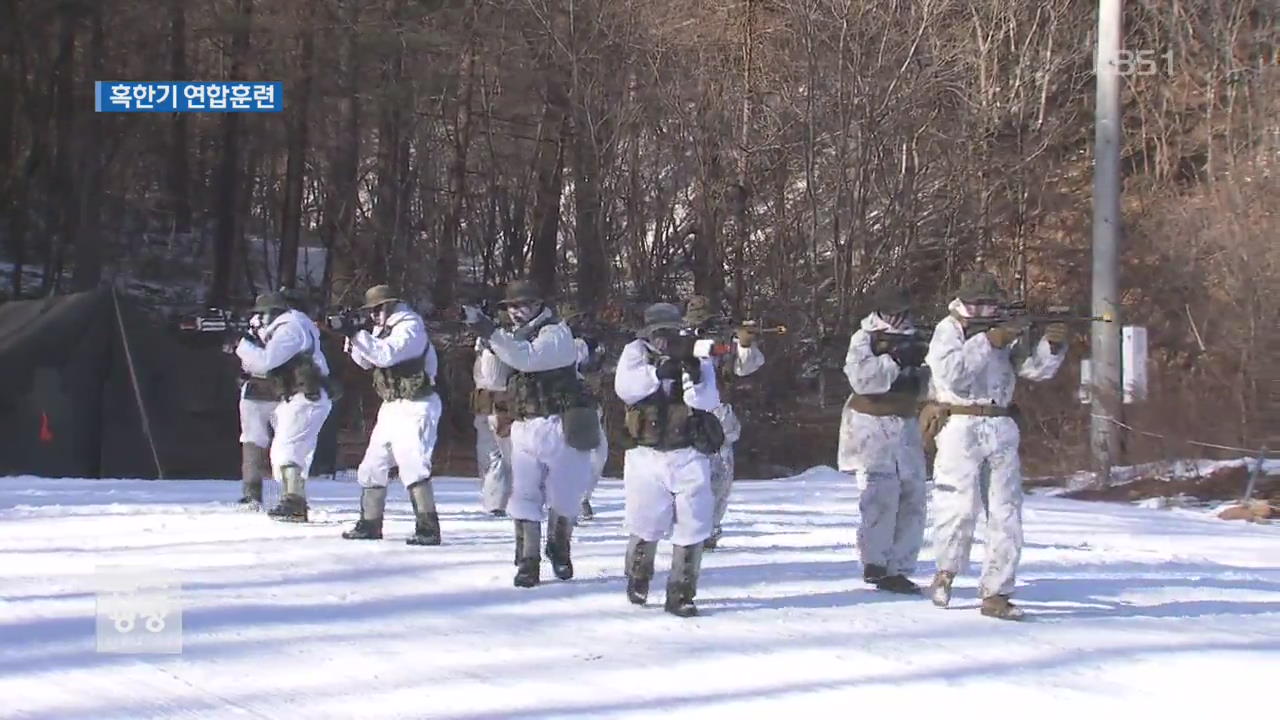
345 316
214 320
1035 318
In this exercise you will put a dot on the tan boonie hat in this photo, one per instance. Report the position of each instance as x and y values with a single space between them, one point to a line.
269 301
378 295
699 310
519 292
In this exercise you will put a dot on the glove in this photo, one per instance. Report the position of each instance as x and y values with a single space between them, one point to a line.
693 367
881 345
669 369
909 353
747 334
1056 334
1005 333
251 338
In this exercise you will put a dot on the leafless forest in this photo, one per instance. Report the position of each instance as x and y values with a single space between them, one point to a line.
785 158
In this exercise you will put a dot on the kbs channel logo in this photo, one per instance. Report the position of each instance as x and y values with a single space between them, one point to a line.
181 97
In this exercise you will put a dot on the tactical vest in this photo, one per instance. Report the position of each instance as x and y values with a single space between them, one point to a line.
260 388
546 393
299 375
665 423
903 398
406 380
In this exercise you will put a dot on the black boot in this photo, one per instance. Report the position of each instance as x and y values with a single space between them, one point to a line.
373 500
253 465
559 532
426 528
682 585
587 512
900 584
640 555
293 503
872 573
528 564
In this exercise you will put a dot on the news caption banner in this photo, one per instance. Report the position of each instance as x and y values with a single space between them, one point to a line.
139 610
175 97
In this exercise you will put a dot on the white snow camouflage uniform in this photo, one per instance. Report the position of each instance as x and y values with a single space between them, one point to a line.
545 471
746 360
886 457
667 491
974 372
600 455
297 420
493 451
404 435
256 416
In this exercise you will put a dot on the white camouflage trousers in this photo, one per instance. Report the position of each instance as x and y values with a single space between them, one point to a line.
298 422
492 463
722 469
545 471
257 418
403 437
599 457
668 492
965 444
892 506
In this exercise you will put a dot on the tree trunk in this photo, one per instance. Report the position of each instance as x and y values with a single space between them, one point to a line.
179 167
447 253
346 266
708 270
65 217
546 205
393 156
226 202
88 240
11 202
593 269
295 168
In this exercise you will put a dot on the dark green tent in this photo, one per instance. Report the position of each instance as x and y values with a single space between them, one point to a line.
90 388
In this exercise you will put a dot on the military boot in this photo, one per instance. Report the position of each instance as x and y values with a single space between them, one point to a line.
588 513
640 555
999 607
682 585
713 540
373 500
528 562
253 465
559 533
872 573
293 503
426 528
900 584
940 588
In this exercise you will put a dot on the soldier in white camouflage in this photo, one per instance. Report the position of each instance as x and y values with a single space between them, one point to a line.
742 359
975 357
403 362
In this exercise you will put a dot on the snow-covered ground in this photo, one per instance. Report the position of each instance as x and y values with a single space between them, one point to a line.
1146 611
